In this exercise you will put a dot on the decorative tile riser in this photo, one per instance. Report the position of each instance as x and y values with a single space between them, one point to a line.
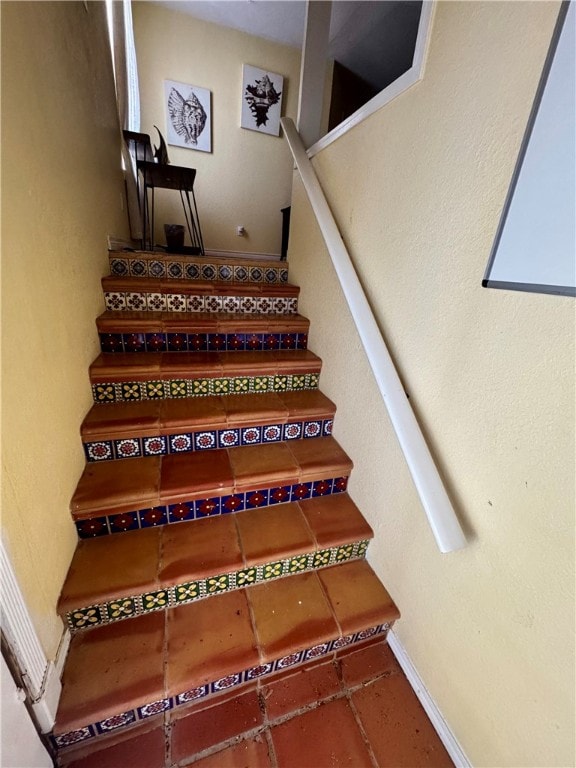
203 440
201 342
171 514
124 720
130 391
134 605
181 269
185 302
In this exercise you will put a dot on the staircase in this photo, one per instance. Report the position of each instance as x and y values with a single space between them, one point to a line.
218 546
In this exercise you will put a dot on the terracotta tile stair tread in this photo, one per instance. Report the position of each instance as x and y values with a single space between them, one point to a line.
140 561
142 483
198 322
164 365
148 659
197 287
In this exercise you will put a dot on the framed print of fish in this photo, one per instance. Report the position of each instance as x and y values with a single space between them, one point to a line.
188 116
261 100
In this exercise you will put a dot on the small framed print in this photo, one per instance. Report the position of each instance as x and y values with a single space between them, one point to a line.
188 116
261 100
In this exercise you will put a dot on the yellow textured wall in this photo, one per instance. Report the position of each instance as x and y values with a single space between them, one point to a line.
417 190
247 178
61 192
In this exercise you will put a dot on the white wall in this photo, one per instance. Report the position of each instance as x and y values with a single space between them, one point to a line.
417 190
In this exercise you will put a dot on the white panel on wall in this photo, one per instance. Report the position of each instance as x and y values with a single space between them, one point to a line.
535 246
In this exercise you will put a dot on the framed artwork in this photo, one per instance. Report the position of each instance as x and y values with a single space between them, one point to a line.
188 116
261 100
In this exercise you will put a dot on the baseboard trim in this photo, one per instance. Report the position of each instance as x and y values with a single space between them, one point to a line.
441 727
46 706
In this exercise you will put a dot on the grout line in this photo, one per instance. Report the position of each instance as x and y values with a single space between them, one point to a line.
271 749
361 729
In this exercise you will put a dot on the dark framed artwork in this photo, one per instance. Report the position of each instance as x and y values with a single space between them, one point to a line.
261 100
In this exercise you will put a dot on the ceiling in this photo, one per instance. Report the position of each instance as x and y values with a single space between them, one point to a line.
375 39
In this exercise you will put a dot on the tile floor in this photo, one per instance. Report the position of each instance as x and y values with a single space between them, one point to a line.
359 711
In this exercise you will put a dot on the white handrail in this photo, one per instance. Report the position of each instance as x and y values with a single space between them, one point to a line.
439 511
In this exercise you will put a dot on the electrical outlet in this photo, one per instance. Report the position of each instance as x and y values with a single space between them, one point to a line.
240 231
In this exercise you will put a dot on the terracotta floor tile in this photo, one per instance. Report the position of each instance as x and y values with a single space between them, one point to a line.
291 614
190 365
397 727
117 419
127 365
326 737
308 403
300 689
112 566
298 360
243 323
335 520
198 322
110 670
208 640
279 289
117 486
209 727
357 596
258 466
364 664
266 408
273 533
131 284
251 753
191 413
145 750
200 548
129 322
195 475
249 363
322 457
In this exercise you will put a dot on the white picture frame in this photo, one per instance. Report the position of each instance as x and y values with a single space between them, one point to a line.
261 100
188 116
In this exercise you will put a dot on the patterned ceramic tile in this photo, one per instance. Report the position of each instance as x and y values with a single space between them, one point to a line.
115 301
181 302
156 302
176 302
150 518
116 721
127 449
175 270
119 267
99 451
135 301
138 267
156 269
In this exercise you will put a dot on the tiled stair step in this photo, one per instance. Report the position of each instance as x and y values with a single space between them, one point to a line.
142 264
182 332
117 496
158 427
118 675
111 579
147 294
129 377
